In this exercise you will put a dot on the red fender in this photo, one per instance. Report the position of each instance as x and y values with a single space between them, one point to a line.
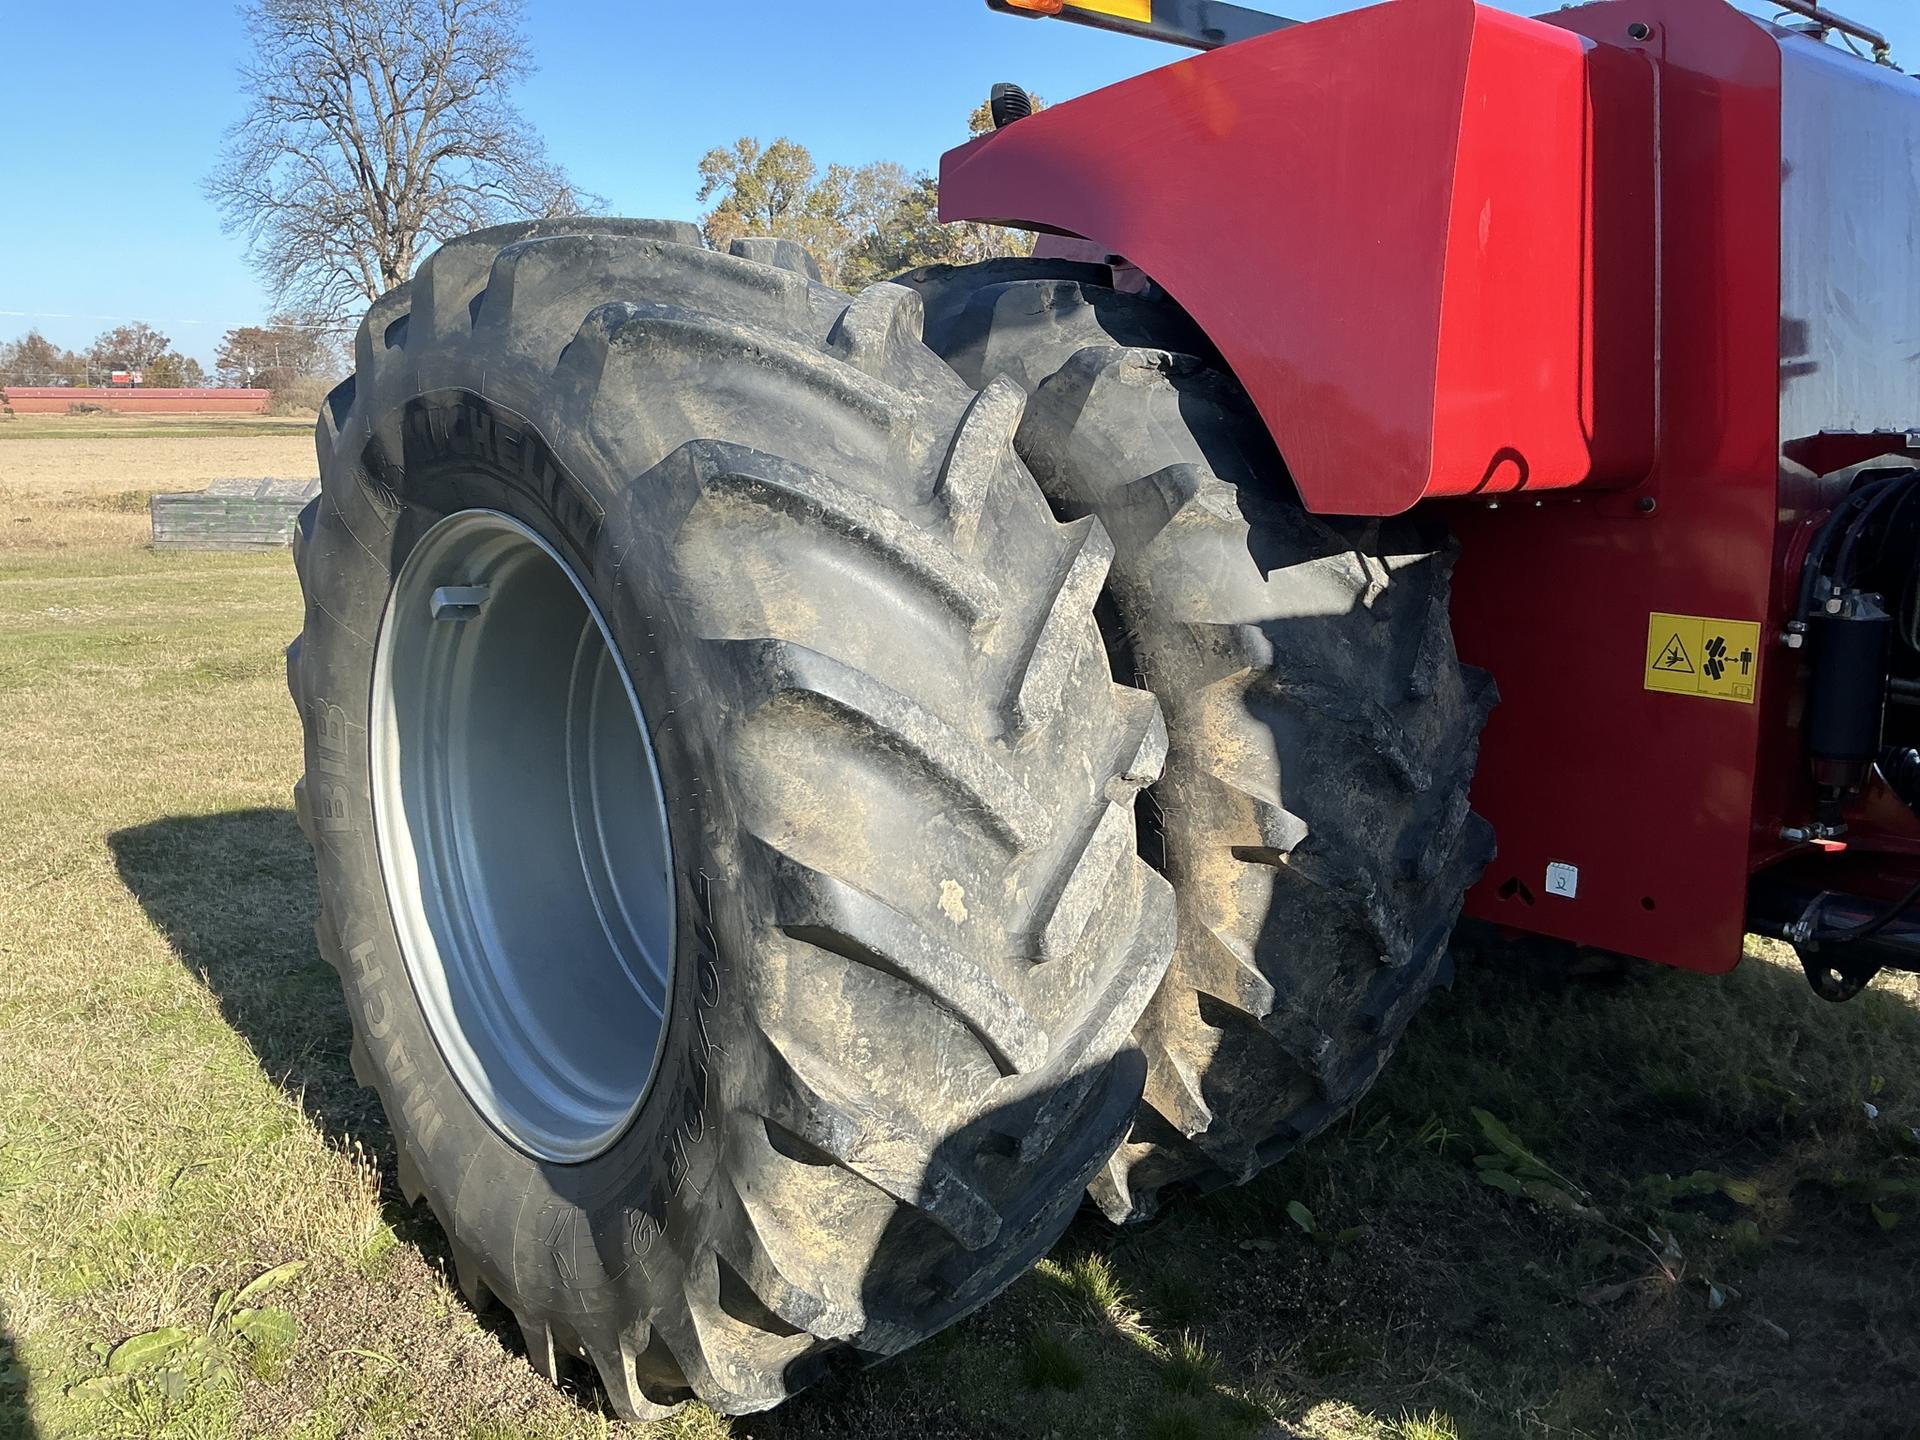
1452 252
1388 223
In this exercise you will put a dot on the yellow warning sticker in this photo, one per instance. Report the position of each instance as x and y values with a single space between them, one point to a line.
1141 10
1698 655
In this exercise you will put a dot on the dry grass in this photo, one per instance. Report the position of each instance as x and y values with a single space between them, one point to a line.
108 425
176 1115
82 481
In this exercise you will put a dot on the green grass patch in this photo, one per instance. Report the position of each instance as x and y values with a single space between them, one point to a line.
1050 1361
1657 1205
1190 1368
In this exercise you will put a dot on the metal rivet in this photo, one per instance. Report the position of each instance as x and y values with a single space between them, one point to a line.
1639 30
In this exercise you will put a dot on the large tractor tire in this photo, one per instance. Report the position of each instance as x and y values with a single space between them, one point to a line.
722 805
1313 816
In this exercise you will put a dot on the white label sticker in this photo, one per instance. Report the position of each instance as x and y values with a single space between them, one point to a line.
1563 879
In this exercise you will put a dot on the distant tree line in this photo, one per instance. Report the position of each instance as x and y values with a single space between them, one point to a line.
35 360
273 356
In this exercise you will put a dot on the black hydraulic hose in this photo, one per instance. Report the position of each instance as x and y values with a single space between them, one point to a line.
1896 491
1867 929
1910 612
1904 610
1812 565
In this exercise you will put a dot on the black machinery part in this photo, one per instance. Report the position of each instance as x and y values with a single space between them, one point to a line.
1857 613
1843 940
1847 691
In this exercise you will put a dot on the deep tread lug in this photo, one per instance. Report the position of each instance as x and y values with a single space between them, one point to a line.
614 1364
1054 649
780 253
546 1352
904 1107
982 447
903 1162
466 1273
776 669
1300 659
819 910
406 1173
734 471
645 336
882 325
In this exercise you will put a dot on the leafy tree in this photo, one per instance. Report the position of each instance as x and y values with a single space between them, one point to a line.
274 355
862 225
174 371
763 190
35 360
133 346
912 235
779 190
375 128
908 236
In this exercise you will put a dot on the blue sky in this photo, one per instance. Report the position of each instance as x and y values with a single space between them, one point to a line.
112 115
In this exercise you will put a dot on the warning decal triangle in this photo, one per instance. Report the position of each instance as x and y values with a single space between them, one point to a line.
1673 657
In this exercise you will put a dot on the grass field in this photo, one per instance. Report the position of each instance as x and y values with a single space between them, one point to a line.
1645 1204
83 480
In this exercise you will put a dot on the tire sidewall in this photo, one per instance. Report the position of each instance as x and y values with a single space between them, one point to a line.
616 1233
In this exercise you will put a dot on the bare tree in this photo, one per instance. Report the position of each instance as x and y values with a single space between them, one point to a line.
376 129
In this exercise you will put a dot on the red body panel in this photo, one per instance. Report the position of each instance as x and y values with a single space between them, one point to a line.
1425 237
1650 794
1430 269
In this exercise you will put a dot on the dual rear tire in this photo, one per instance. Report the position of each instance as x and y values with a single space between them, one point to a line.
725 809
1314 814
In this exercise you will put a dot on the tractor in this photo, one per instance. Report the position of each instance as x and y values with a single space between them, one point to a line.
809 789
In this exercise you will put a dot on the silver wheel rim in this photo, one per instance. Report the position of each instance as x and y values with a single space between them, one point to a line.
522 835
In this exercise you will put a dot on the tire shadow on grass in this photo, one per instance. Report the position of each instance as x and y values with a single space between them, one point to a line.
1404 1297
1421 1287
16 1416
234 895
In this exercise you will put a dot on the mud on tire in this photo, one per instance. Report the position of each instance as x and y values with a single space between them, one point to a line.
913 935
1313 816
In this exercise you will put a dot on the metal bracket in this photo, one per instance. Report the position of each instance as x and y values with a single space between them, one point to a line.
1833 974
458 602
1882 51
1196 24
